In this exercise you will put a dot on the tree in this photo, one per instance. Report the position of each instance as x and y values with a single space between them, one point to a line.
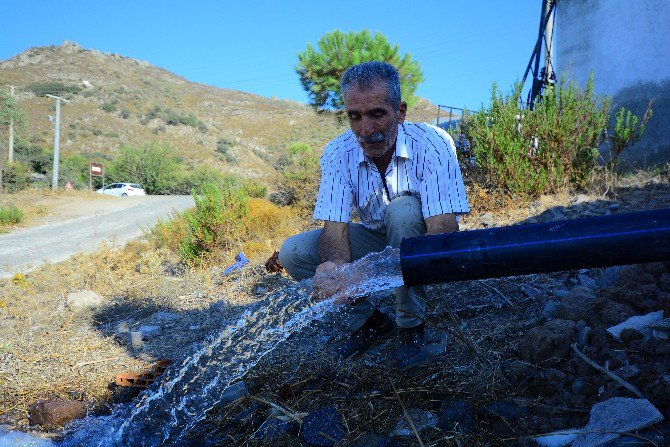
9 113
320 70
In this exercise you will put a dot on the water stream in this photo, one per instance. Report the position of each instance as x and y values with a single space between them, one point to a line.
166 413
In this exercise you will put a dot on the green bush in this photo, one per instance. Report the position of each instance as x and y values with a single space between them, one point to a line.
109 107
156 167
299 174
213 223
254 190
124 113
172 118
38 159
10 215
15 177
206 174
52 88
189 120
539 151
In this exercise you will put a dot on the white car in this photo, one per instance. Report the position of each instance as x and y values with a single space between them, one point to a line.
123 189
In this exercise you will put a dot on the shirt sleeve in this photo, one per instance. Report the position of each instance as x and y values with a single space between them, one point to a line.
442 190
335 200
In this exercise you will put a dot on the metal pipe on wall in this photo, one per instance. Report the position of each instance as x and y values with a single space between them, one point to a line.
625 238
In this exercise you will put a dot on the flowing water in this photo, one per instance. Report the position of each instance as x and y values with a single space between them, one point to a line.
170 410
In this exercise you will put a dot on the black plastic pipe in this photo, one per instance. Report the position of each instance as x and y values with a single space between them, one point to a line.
626 238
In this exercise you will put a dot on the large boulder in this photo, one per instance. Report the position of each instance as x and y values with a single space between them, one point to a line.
549 342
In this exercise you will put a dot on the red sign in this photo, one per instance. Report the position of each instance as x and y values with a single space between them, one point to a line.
96 169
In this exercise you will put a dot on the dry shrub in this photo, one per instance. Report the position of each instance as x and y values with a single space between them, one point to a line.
266 226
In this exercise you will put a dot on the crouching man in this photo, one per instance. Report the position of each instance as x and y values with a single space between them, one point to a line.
403 180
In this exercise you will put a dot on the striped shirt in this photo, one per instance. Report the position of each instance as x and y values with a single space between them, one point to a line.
424 165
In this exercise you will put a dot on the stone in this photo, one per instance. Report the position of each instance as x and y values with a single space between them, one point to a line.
503 409
587 281
132 339
641 323
608 277
614 416
578 305
560 438
561 293
613 312
165 317
233 392
664 282
55 413
487 220
548 382
627 371
275 429
373 440
517 372
149 332
530 291
549 309
85 299
583 336
579 385
421 419
549 341
323 428
456 415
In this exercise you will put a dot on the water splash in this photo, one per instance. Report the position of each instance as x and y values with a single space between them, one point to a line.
171 409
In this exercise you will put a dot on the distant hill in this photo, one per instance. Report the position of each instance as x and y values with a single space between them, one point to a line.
116 100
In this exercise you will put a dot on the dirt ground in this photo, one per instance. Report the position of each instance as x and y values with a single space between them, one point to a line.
50 350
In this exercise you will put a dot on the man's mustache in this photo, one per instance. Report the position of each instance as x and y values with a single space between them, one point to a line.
375 137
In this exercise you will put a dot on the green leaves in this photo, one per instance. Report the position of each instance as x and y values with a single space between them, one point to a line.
320 70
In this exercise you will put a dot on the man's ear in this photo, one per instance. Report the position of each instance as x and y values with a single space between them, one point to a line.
402 112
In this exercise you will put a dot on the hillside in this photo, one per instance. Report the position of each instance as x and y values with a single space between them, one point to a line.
116 101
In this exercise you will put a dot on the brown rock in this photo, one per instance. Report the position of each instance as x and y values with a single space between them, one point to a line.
614 313
55 413
578 305
549 341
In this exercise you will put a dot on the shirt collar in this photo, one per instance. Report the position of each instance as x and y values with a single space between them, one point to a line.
402 149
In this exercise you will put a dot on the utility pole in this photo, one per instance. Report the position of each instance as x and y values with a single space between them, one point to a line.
11 130
54 180
545 78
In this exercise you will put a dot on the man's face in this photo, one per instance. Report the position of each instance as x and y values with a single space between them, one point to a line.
372 119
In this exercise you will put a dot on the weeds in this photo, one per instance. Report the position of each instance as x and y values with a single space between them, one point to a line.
555 145
10 215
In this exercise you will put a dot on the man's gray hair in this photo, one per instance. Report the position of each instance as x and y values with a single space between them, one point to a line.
365 75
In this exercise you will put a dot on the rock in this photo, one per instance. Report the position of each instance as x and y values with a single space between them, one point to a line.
587 281
247 419
149 332
547 383
561 293
627 371
608 277
530 291
640 323
233 392
578 305
614 416
583 336
487 220
323 428
503 409
275 429
549 309
579 385
132 339
613 312
85 299
456 416
516 372
560 438
655 268
549 341
372 440
165 317
420 418
664 282
55 413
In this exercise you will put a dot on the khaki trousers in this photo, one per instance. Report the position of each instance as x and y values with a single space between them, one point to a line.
300 257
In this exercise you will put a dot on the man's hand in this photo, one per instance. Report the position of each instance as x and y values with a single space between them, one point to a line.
328 280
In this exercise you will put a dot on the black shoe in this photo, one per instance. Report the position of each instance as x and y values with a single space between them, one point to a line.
376 328
412 350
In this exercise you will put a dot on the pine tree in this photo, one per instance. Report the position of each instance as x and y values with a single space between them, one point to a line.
320 70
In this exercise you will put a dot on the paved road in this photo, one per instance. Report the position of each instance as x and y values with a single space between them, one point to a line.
26 249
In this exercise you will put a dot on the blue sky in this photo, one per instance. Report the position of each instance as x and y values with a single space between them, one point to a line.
462 46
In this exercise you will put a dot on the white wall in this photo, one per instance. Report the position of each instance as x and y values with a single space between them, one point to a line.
627 46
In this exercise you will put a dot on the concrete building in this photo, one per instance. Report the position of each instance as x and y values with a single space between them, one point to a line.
625 43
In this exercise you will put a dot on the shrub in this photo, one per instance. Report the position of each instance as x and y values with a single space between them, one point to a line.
52 88
202 127
109 107
214 223
15 177
189 120
223 147
124 114
10 215
300 175
156 167
254 190
172 118
539 151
